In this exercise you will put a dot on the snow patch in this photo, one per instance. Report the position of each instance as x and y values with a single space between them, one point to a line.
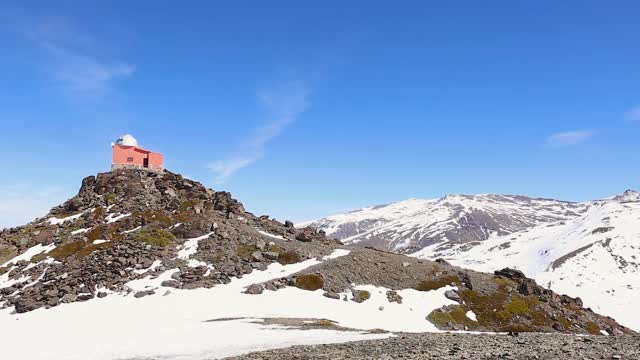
113 218
471 315
271 235
55 221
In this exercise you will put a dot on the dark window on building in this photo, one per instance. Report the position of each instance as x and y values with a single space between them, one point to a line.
130 159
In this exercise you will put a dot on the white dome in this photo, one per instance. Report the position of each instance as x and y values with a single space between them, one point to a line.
127 140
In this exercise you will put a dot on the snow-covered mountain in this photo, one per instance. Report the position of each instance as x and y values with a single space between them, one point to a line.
589 249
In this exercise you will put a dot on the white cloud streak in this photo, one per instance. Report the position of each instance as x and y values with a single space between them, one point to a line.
633 114
569 138
84 77
284 106
68 62
21 204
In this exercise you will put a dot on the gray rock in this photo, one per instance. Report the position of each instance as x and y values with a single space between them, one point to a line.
141 294
452 295
332 295
254 289
171 284
68 298
256 256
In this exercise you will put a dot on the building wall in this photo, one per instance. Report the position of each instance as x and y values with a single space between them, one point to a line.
130 156
155 160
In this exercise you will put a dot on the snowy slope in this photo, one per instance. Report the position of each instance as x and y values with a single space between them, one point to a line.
590 250
208 323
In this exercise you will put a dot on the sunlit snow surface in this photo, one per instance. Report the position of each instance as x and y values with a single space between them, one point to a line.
177 326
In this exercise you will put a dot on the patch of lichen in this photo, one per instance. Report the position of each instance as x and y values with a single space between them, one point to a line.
503 310
98 213
310 282
364 295
66 250
188 204
155 237
4 270
564 321
39 257
289 257
323 323
111 198
285 257
592 328
456 314
245 250
438 283
517 306
95 233
7 252
105 232
155 216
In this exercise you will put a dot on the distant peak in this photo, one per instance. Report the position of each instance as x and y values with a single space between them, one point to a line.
629 195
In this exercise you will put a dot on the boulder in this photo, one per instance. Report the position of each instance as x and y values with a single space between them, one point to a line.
141 294
510 273
331 295
171 283
452 295
254 289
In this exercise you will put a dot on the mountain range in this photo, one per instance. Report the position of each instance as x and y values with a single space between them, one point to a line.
586 249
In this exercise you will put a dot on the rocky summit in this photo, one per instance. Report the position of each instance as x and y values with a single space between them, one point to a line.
128 224
130 236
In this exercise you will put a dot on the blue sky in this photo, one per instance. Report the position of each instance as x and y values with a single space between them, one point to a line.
304 108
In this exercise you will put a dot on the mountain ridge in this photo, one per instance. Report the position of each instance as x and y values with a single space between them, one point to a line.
491 233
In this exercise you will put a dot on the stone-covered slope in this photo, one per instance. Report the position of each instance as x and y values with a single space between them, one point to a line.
129 225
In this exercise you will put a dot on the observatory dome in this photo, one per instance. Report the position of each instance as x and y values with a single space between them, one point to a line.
127 140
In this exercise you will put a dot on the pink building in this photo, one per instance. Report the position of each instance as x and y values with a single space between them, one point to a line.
128 155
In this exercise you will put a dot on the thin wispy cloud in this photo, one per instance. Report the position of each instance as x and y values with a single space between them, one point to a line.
69 62
20 204
283 105
633 114
569 138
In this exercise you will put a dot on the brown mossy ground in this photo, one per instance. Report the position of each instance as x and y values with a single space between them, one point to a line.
155 237
593 328
111 198
78 249
289 257
364 295
501 309
310 282
105 232
245 250
438 283
455 314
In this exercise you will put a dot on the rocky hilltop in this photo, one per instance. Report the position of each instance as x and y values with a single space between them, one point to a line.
129 225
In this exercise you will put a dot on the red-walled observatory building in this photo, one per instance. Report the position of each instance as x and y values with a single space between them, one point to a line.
127 154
